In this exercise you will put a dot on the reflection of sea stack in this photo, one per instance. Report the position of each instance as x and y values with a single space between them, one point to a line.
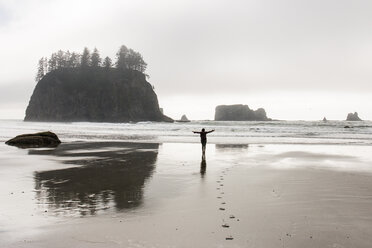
184 119
353 117
100 178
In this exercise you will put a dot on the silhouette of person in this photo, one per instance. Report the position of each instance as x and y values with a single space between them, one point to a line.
203 138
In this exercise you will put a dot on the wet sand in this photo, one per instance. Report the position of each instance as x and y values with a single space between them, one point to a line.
111 194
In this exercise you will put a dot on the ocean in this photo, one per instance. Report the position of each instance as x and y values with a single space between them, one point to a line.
227 132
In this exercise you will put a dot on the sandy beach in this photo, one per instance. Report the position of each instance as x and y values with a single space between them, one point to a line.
116 194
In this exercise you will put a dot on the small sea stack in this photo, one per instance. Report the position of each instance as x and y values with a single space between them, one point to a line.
183 119
353 117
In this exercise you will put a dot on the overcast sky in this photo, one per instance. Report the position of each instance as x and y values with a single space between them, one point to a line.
297 59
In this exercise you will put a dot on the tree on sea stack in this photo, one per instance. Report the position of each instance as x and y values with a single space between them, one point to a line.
126 59
42 69
62 58
135 61
74 60
121 57
107 63
95 59
52 62
130 59
85 58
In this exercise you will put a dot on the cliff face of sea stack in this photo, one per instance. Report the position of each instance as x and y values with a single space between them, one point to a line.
94 95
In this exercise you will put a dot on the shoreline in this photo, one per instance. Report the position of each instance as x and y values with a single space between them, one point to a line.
281 132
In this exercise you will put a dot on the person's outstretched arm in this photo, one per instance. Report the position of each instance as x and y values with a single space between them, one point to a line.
211 131
195 132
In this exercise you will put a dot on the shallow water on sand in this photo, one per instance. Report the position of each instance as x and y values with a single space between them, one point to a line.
114 194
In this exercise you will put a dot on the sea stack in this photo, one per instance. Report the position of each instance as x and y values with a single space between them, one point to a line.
353 117
184 119
239 112
95 95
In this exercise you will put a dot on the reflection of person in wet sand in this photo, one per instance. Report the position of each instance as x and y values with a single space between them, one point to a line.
203 138
203 166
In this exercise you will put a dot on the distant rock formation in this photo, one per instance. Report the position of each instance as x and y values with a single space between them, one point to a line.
324 119
94 94
239 112
43 139
353 117
184 119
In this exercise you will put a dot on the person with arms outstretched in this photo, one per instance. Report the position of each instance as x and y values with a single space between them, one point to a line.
203 138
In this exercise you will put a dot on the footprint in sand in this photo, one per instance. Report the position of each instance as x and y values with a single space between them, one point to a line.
222 209
225 225
276 193
293 230
229 238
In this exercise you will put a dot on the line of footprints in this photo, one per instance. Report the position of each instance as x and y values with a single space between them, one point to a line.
223 203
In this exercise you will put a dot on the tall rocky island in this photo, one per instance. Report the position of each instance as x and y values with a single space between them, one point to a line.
239 112
88 90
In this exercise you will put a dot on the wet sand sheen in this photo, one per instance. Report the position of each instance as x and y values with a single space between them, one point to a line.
157 195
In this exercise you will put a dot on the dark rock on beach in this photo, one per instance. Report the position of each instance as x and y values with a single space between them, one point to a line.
96 95
43 139
239 112
353 117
